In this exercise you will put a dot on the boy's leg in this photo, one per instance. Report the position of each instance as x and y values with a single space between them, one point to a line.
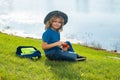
62 56
71 48
68 56
80 58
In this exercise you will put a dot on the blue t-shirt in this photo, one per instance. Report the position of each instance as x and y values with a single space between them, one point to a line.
51 36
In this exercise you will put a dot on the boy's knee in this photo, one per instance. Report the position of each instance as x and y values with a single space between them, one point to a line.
68 42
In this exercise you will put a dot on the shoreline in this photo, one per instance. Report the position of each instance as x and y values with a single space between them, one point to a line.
23 35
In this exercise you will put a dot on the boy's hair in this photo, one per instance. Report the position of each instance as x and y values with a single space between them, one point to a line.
49 22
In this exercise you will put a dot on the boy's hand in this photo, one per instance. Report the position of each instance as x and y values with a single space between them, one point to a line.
59 43
65 49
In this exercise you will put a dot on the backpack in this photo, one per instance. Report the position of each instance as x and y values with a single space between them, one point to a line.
28 52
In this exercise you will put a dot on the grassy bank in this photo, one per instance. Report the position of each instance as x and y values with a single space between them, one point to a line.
100 65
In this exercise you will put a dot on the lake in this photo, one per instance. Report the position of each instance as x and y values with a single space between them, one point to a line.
93 23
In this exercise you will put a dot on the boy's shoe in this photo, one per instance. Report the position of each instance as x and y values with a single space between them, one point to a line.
81 58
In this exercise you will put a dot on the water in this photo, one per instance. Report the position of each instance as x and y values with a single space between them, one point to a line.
91 22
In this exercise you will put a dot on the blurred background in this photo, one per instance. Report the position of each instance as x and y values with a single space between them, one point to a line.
91 22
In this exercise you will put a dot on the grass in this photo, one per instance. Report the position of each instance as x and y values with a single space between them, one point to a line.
100 65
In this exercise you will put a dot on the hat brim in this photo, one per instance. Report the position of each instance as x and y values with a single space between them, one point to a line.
59 13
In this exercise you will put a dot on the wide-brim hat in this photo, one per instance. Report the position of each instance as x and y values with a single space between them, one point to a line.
56 13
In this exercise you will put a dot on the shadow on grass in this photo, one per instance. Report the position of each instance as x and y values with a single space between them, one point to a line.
63 70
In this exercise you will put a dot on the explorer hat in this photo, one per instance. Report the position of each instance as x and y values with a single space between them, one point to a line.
56 13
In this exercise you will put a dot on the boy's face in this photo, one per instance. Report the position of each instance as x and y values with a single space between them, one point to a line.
56 24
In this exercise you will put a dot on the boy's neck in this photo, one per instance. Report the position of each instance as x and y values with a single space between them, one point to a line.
54 29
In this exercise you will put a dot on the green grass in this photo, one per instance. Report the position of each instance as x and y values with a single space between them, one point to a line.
100 65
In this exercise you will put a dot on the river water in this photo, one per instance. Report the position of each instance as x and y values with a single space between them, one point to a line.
91 22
